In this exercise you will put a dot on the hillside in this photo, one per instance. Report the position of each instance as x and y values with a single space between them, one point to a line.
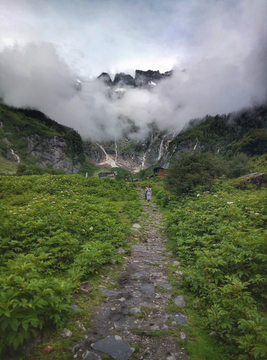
29 136
243 131
32 138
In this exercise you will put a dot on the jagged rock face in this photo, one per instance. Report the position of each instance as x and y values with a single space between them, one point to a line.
105 78
142 78
52 152
124 79
130 155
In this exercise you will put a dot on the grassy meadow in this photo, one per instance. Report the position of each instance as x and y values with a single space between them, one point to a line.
56 231
220 239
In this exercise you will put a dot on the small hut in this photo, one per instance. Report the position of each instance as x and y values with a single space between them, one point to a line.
111 175
159 171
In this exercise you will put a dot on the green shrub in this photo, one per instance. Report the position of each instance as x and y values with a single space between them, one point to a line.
55 232
193 169
239 166
220 239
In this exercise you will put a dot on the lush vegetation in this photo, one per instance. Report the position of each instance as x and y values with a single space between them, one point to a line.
23 169
55 232
219 236
244 131
200 169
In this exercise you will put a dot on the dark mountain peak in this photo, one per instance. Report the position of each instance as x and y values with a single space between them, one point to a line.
105 78
124 79
150 77
142 78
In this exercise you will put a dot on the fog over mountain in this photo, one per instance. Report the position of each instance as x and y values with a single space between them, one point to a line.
217 51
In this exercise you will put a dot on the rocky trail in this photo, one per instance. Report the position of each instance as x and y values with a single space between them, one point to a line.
133 323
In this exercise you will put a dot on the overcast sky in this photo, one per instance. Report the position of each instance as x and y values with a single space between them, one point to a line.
46 45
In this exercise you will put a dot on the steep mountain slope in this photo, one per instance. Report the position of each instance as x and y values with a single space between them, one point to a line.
29 136
244 131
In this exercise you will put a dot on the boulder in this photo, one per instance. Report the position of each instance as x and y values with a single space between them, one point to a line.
180 302
85 287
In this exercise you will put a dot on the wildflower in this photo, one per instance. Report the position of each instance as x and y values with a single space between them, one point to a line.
229 202
198 195
70 212
83 230
91 228
257 213
70 220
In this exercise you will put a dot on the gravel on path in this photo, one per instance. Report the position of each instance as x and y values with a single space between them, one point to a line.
133 322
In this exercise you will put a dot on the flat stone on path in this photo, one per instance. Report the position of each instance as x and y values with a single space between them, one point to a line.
91 356
157 274
180 301
75 307
148 287
136 226
140 248
108 292
166 286
170 253
137 275
115 347
181 319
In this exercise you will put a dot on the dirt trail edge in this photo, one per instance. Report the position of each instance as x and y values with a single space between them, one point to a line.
133 323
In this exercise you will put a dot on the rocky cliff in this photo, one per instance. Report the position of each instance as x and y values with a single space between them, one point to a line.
29 136
130 154
142 79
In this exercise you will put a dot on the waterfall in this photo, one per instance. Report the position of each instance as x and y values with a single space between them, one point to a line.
15 156
143 161
116 152
196 144
160 148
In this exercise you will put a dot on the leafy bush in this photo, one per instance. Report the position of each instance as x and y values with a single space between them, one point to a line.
238 166
23 169
55 232
193 169
220 238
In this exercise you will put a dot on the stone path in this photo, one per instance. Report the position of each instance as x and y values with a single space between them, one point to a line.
133 323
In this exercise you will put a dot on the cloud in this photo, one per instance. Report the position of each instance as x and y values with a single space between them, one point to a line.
217 49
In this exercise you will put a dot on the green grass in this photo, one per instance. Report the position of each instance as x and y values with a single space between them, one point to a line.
56 231
7 166
219 237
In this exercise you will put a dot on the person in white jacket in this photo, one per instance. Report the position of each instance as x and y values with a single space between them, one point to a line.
148 193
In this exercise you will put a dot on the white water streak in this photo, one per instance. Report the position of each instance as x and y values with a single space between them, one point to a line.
108 160
160 148
15 156
143 161
116 152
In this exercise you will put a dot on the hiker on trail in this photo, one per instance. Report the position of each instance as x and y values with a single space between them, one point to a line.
148 193
145 191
